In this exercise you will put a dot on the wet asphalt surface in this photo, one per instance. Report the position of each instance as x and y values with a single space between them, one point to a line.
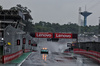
58 59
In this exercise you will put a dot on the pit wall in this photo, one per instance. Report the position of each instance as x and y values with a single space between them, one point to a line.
7 58
11 35
27 46
91 54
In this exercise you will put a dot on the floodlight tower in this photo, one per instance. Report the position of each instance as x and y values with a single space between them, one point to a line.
85 14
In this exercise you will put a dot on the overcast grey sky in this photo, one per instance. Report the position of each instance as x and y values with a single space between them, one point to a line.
58 11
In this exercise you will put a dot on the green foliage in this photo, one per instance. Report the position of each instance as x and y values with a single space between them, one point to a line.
68 28
90 28
1 7
29 27
21 8
56 27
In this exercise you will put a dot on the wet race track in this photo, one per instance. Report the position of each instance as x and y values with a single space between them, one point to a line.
56 57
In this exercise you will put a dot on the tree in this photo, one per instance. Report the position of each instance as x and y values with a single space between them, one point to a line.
21 8
1 7
29 26
56 27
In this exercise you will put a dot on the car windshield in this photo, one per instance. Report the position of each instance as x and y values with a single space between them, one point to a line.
49 33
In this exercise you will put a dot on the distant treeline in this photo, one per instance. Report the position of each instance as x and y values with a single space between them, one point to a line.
56 27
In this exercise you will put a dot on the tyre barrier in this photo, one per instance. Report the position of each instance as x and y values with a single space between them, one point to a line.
7 58
91 54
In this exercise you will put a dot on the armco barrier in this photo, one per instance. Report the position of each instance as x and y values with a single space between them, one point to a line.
26 50
91 54
7 58
97 59
82 51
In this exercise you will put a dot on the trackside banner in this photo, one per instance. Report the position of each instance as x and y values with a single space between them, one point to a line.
54 35
43 35
63 35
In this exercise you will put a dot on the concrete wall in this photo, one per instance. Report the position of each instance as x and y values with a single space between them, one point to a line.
11 35
26 45
92 45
